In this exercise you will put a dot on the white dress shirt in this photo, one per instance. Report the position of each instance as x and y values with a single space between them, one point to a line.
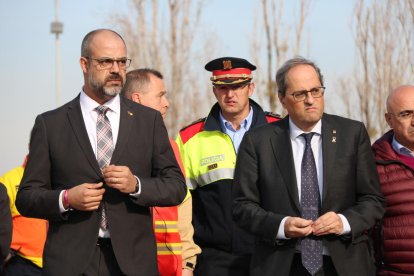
298 147
90 117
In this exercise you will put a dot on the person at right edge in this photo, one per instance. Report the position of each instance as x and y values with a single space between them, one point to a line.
394 236
208 148
306 186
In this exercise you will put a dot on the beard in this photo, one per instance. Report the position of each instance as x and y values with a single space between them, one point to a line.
101 88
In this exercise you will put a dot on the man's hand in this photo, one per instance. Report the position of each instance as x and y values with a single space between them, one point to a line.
86 197
297 227
120 178
329 223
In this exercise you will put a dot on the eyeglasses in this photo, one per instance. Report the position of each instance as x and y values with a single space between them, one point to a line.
301 95
107 63
404 115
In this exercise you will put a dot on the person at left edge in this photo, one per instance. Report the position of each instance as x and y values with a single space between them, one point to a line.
5 226
99 220
28 235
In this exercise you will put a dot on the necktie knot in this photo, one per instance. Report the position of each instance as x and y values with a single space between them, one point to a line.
102 109
308 137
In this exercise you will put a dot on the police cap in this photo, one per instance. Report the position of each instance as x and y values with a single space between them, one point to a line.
230 71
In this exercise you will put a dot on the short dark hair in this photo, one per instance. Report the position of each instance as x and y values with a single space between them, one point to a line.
281 81
138 80
85 47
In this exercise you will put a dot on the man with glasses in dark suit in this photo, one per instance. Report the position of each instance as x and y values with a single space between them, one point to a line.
95 166
306 186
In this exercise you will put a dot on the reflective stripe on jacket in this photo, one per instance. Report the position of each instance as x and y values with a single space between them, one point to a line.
169 249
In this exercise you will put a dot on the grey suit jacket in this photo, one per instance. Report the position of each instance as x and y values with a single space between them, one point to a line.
61 157
266 192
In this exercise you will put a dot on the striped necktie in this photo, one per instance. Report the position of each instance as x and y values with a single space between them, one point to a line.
104 149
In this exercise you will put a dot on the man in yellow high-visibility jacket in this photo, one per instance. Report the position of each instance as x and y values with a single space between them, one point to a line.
28 236
208 148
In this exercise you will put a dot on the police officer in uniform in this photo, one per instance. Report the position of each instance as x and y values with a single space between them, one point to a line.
208 148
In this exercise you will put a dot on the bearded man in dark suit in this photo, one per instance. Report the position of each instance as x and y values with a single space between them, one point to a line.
95 166
306 186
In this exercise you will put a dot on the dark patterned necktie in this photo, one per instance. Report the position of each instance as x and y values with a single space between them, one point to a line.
311 247
104 149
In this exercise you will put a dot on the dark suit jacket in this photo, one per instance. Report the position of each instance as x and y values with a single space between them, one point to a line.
266 192
5 225
61 157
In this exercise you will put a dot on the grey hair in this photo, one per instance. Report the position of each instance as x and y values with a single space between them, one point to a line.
281 74
138 80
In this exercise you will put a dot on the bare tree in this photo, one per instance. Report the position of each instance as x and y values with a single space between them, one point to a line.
384 40
280 42
161 35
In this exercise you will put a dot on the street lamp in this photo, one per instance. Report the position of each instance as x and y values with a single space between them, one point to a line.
56 27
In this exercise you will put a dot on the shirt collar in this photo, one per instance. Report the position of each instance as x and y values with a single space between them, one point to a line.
89 104
295 131
400 148
243 124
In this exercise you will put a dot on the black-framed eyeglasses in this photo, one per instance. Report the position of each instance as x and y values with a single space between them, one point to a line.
301 95
404 115
107 63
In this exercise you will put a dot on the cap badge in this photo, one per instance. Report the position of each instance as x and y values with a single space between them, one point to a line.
227 64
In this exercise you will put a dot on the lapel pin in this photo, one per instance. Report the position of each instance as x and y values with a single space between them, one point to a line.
130 113
334 137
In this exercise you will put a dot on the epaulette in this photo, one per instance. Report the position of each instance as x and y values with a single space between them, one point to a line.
274 115
194 123
192 129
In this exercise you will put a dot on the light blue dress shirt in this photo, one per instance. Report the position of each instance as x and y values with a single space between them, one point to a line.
400 148
236 135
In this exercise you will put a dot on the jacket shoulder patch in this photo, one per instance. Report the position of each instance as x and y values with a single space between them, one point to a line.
192 129
272 117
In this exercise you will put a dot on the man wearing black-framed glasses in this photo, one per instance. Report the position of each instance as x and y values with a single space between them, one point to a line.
96 165
307 187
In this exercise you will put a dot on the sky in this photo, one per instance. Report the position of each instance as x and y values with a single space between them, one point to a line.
27 56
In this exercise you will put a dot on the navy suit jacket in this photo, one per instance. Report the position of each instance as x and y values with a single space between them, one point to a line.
61 157
266 192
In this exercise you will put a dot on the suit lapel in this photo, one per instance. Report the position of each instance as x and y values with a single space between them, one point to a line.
329 146
125 124
282 150
78 125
